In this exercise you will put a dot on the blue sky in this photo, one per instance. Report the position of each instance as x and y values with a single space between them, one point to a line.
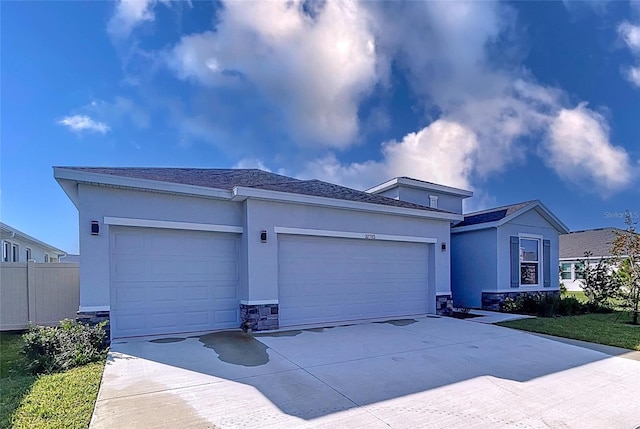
515 101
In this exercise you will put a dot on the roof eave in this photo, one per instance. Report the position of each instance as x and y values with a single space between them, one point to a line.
398 181
75 176
241 193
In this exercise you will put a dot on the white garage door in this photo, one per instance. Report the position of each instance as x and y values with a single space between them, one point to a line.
169 281
336 279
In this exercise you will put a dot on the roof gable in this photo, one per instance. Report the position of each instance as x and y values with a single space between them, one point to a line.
498 216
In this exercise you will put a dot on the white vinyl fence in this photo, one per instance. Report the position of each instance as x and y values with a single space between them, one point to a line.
37 293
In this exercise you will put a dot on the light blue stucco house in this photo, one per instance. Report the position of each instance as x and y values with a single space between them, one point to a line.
168 250
504 252
174 250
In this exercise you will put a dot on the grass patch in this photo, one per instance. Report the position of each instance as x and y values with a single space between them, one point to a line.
610 329
62 400
579 295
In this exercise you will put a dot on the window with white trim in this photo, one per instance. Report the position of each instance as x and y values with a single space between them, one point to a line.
529 261
565 271
433 201
46 257
6 251
28 254
15 253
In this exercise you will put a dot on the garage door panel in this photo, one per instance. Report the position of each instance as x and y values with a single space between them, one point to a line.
324 279
180 281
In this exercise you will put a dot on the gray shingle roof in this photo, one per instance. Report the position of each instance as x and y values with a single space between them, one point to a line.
597 241
492 215
227 179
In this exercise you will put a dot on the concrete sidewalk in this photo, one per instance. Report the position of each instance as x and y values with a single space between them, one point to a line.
423 372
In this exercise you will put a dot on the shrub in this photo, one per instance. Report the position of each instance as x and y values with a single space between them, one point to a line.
545 305
49 349
599 283
571 306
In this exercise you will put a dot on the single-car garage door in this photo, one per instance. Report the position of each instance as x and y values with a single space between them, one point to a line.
168 281
324 279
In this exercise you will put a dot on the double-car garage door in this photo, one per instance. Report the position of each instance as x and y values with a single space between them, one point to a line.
168 281
326 279
165 281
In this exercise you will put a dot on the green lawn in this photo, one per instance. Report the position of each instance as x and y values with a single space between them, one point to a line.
610 329
579 295
63 400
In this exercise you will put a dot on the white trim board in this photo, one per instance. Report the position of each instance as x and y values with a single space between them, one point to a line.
92 308
258 301
419 184
356 235
149 223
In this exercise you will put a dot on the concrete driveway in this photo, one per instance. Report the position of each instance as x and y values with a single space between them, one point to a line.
423 372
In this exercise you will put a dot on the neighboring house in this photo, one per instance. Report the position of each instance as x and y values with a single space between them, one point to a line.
20 247
70 259
168 250
504 252
572 251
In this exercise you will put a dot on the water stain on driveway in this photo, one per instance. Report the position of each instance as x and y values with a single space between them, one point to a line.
166 340
236 348
400 322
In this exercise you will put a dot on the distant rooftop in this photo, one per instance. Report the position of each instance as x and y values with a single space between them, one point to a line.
597 241
7 231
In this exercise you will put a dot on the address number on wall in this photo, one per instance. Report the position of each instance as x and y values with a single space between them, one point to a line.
370 236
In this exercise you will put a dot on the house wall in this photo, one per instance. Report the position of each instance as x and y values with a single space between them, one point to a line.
391 193
266 215
37 252
574 284
258 276
96 202
473 266
527 223
446 202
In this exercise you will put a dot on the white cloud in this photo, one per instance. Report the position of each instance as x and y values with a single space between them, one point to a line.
121 110
315 68
80 123
491 116
633 74
444 152
631 35
579 150
252 163
128 14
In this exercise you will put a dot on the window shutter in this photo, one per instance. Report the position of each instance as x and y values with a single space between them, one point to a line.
546 262
515 261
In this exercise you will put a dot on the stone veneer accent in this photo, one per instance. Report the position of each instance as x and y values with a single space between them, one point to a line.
263 317
444 305
492 301
92 318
